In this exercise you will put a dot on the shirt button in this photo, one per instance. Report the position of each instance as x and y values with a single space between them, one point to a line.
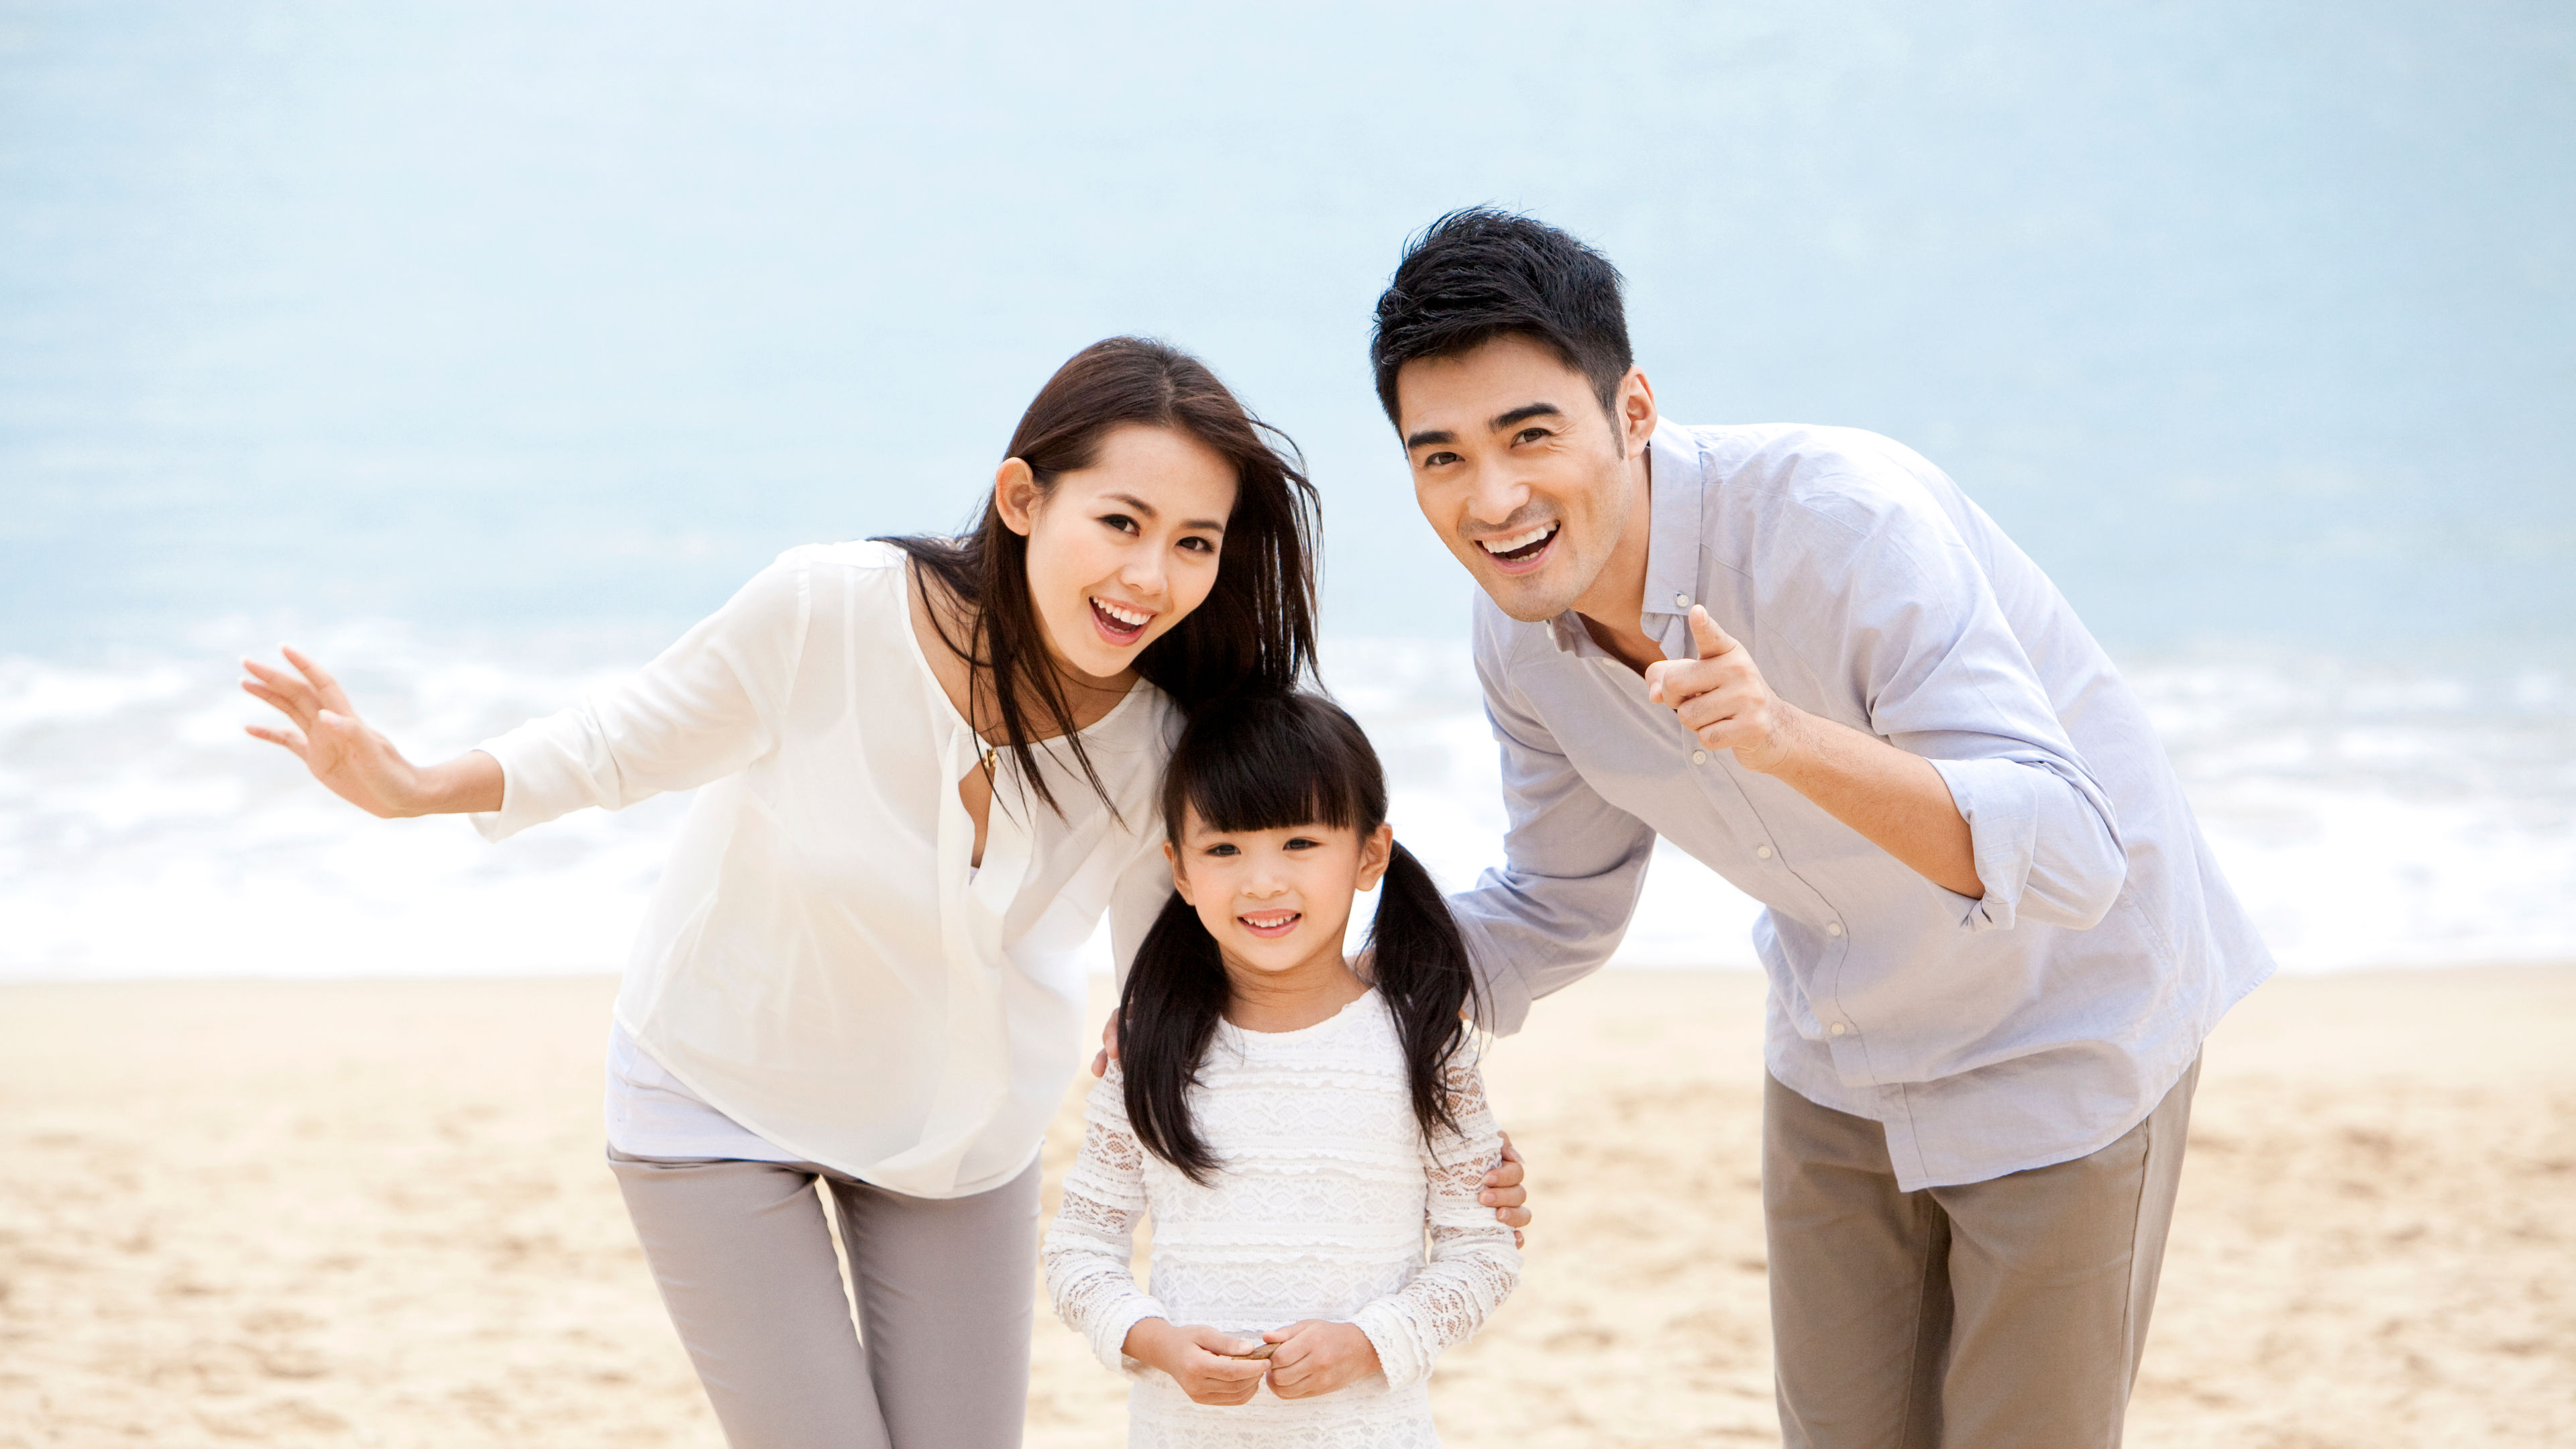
1681 601
1833 928
1840 1029
1762 852
1699 757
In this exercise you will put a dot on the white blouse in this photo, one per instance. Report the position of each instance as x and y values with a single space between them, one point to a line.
820 963
1320 1211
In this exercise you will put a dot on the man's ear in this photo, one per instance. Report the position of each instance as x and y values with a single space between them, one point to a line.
1634 411
1015 495
1180 882
1376 850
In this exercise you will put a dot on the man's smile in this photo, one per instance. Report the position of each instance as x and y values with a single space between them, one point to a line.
1521 552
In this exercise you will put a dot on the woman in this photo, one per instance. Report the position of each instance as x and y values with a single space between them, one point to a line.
928 768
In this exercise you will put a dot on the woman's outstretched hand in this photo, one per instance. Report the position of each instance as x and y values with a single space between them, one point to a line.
360 765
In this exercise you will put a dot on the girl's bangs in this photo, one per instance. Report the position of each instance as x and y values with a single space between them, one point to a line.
1272 764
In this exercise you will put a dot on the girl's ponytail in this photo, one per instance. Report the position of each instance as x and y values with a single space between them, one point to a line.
1167 1016
1418 962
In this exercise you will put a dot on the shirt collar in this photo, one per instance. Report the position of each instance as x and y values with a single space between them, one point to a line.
1678 479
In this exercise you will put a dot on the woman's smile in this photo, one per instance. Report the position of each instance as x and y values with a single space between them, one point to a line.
1120 624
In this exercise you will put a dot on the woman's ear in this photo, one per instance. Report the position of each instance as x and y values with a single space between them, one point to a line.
1180 880
1376 849
1015 495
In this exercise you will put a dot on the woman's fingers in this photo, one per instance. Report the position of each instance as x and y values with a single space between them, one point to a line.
290 695
325 688
290 739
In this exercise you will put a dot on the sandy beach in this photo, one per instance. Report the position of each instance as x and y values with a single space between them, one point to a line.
374 1213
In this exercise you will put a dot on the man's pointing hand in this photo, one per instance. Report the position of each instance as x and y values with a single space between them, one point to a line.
1722 698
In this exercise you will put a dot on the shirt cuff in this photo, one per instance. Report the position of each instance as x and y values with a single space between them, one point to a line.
2000 801
1503 997
1392 1335
1114 1326
541 778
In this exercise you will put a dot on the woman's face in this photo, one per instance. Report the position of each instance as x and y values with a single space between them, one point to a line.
1122 550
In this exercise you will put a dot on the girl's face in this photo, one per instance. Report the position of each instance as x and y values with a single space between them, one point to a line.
1122 550
1276 900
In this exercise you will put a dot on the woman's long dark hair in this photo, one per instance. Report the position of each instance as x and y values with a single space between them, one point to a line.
1255 630
1270 762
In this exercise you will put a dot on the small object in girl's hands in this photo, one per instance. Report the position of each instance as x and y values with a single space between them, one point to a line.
1265 1351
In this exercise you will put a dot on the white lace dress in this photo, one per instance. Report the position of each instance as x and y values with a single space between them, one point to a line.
1320 1211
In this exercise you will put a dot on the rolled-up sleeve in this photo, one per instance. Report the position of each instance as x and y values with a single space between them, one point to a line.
1929 648
709 705
1573 865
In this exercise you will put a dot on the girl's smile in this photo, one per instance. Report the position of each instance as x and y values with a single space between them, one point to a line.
1277 903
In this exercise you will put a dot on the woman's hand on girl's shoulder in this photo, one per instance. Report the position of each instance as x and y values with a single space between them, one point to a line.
1505 1195
1316 1357
1199 1358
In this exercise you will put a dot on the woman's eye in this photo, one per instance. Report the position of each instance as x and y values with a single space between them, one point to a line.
1120 521
1196 544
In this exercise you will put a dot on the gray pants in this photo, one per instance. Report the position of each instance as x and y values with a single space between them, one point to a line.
1996 1314
943 1287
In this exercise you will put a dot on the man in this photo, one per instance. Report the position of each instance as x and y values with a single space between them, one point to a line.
1994 936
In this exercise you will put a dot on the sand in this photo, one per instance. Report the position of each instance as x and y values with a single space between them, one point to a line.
374 1213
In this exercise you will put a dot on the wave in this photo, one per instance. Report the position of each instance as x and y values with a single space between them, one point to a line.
2367 817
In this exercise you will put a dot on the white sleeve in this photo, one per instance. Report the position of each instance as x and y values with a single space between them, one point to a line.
1136 900
711 704
1092 1242
1473 1266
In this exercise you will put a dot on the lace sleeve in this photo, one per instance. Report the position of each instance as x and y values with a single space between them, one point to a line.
1473 1266
1090 1246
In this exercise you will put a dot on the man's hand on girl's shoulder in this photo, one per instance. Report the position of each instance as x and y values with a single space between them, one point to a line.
1316 1357
1200 1359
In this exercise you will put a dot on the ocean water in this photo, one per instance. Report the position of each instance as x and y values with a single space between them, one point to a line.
481 347
2367 817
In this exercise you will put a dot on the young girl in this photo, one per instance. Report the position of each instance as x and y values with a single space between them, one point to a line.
1292 1127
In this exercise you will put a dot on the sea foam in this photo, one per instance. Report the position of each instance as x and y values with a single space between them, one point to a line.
2367 819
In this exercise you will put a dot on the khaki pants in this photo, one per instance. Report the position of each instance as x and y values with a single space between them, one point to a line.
943 1286
1992 1315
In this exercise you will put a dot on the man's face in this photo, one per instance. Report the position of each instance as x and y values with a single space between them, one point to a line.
1518 469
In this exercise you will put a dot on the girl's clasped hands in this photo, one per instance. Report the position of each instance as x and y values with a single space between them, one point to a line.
1306 1359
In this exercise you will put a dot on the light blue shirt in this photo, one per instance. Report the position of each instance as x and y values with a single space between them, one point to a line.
2033 1026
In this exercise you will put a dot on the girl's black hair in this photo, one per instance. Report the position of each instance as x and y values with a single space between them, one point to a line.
1256 628
1271 761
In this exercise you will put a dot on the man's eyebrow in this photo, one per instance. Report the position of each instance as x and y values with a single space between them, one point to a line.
1427 437
1212 525
1525 412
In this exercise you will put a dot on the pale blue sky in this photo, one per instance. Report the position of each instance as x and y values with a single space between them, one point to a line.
2250 322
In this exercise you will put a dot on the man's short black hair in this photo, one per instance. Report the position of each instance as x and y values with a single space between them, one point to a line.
1477 274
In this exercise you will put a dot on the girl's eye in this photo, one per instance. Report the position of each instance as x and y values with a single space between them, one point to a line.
1302 843
1221 848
